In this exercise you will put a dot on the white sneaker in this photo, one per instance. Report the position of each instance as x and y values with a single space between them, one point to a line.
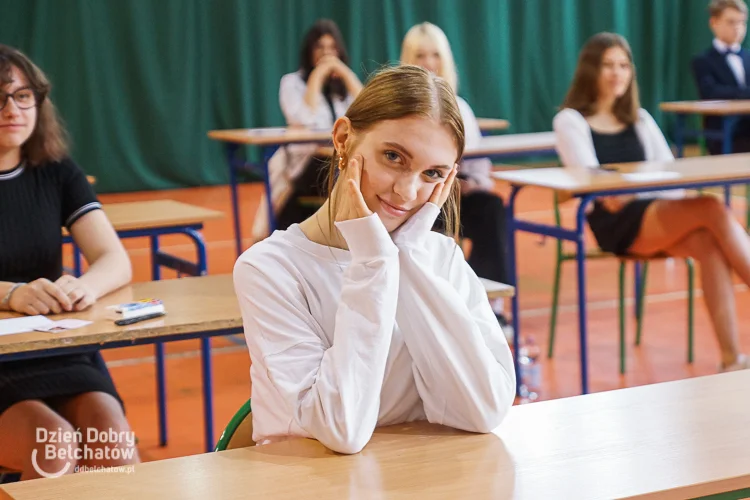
742 363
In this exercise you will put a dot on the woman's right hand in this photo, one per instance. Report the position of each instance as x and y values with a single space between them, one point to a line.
350 202
39 297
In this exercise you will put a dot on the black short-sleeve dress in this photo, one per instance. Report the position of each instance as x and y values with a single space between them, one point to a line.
615 232
35 203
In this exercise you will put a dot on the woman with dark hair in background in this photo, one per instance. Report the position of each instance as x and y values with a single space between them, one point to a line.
314 96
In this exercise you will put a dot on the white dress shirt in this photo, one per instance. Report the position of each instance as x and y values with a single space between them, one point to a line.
733 60
396 329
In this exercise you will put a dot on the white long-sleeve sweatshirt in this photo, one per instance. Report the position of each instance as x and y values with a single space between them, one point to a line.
396 329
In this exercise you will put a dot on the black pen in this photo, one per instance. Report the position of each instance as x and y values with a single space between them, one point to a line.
138 319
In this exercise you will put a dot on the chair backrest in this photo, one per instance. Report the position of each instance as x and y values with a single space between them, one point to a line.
239 431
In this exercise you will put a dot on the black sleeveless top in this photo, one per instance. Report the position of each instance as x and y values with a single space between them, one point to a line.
615 232
621 147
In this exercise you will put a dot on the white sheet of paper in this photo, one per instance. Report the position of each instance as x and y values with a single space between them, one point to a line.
651 176
23 324
62 325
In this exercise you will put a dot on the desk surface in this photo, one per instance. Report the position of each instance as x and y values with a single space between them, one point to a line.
576 181
157 213
714 107
290 135
496 145
512 144
201 304
672 440
270 136
496 290
491 124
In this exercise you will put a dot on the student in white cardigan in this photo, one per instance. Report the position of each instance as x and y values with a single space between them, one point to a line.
314 96
362 316
602 122
483 211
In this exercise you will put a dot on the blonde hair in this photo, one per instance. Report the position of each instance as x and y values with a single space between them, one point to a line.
717 7
428 31
400 92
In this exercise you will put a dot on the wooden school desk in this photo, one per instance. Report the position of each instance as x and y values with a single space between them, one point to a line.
269 140
487 125
499 146
673 440
199 307
157 218
153 219
513 145
731 112
589 183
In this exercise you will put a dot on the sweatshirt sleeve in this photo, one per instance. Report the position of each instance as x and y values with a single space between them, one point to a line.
331 390
462 363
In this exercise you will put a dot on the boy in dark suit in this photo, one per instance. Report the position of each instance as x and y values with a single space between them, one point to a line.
723 71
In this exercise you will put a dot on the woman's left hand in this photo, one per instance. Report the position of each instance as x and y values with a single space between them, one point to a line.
80 295
443 190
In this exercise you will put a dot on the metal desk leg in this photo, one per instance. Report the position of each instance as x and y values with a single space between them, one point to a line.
729 123
512 274
231 159
77 264
161 392
208 407
206 370
679 134
268 152
581 262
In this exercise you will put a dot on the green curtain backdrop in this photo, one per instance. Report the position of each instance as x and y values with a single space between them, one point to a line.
140 82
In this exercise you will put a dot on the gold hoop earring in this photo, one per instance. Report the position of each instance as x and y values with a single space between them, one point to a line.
341 159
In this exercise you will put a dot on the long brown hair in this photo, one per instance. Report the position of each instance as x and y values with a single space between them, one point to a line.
399 92
584 91
322 27
48 142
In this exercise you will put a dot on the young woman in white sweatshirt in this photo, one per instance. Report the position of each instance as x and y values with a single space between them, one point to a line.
361 316
602 122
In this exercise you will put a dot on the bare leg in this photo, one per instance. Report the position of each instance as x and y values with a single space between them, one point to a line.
98 411
718 292
18 440
667 222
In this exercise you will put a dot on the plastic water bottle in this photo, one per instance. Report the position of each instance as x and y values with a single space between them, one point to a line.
531 370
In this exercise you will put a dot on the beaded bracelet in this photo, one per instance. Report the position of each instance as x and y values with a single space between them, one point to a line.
6 299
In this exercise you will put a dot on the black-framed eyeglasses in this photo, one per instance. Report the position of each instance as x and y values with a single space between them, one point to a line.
24 98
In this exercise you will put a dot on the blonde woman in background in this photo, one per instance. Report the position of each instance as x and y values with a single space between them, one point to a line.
482 211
